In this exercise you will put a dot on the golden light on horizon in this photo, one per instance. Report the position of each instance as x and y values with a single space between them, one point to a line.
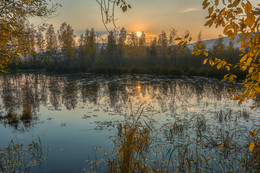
139 34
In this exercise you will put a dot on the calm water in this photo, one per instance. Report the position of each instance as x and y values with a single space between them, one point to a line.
74 113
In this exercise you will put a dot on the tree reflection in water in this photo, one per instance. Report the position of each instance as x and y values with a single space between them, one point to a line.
34 90
187 111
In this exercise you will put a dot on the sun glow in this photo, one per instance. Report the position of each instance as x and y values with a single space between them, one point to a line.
139 34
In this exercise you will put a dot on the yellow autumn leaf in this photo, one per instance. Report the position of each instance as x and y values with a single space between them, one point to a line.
257 88
253 133
216 2
243 58
200 45
205 61
247 7
211 62
235 3
250 20
252 146
239 10
219 66
228 68
206 53
205 4
251 69
211 10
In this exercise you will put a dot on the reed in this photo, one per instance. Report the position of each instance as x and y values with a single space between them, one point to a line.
26 114
182 147
12 117
20 158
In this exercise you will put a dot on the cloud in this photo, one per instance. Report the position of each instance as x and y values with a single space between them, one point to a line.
189 10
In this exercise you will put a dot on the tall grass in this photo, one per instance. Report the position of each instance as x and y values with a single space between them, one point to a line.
26 114
140 146
13 119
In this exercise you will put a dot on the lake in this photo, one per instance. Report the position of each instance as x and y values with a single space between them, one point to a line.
74 115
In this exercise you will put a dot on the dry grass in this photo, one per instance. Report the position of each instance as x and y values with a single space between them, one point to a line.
20 158
139 147
12 117
26 114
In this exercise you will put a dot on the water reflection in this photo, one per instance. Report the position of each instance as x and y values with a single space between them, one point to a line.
73 113
36 90
160 96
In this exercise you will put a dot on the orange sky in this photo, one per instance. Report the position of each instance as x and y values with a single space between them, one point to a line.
150 16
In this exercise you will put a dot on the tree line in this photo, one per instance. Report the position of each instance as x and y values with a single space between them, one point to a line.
117 51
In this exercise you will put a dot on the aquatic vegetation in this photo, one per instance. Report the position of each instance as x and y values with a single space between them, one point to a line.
12 117
133 144
140 146
18 122
21 158
223 116
183 127
26 114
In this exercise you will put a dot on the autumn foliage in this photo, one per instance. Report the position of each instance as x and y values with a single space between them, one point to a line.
241 18
13 39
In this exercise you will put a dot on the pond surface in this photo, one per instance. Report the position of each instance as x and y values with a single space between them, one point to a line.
74 113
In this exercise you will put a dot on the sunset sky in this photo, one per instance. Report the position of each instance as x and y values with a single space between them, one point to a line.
150 16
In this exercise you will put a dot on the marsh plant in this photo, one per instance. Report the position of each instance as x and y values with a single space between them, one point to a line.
14 119
185 146
26 114
21 158
133 145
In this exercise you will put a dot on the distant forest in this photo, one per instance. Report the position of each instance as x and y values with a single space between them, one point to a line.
119 52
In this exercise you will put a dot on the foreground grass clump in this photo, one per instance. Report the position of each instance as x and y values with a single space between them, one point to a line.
20 158
180 146
131 147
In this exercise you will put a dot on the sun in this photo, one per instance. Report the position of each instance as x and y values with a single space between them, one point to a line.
138 34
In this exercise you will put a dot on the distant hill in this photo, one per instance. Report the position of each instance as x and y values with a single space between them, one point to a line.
210 43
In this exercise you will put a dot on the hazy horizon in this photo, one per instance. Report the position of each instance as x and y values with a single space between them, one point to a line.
178 14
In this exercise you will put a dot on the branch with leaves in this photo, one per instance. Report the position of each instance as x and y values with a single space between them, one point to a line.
11 13
107 10
238 17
